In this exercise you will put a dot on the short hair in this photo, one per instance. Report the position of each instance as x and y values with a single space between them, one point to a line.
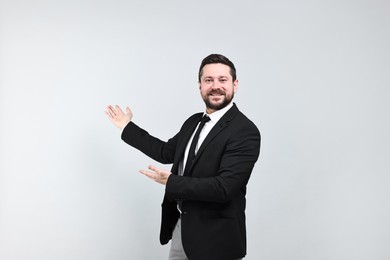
217 58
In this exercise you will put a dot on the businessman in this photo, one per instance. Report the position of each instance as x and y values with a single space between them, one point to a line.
213 154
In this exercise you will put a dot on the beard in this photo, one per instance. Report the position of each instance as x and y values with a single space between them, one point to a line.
217 105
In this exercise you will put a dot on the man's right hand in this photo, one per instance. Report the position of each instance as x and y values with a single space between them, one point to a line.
118 117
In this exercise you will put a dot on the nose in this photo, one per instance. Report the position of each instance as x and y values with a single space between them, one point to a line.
215 85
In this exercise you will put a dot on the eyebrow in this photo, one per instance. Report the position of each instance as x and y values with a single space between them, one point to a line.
207 77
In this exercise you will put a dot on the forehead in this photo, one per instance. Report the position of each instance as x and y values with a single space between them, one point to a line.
216 70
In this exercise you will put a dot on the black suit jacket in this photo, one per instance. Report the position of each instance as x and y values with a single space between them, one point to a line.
213 219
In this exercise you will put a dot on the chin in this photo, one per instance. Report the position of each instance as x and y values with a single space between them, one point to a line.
217 105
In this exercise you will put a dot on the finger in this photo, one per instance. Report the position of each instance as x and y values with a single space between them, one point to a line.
110 108
108 111
155 169
108 115
150 175
111 111
119 109
128 110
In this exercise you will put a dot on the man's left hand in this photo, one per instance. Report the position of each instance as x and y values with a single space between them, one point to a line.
156 174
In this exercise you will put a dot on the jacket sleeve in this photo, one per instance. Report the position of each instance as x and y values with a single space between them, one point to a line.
163 152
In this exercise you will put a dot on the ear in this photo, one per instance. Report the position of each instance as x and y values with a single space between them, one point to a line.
235 85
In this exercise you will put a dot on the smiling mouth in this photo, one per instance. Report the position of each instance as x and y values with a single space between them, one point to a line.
216 97
216 94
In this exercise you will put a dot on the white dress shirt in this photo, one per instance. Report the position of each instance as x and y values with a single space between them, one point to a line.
214 118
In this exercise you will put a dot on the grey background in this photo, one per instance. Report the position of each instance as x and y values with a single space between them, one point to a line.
313 76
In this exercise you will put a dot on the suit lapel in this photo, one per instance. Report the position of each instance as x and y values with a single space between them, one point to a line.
218 127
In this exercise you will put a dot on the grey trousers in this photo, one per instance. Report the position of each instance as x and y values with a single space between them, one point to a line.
177 251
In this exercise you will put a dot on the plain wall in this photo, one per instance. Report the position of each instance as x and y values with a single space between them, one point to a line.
313 75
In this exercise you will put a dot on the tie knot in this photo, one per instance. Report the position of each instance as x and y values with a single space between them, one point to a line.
205 119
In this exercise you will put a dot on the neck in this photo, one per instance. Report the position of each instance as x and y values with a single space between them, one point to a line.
209 110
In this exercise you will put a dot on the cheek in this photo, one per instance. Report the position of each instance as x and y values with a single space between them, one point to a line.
204 89
227 89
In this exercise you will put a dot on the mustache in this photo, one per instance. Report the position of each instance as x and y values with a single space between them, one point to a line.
218 92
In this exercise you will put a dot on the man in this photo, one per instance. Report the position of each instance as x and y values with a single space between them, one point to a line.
203 210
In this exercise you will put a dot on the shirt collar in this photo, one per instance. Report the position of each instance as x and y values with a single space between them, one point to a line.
214 117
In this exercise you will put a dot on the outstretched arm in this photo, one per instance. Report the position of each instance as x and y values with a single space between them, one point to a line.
118 117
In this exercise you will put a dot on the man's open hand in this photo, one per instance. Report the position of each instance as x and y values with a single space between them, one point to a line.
118 117
156 174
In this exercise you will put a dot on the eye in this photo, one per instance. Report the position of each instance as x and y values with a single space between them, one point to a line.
223 80
208 80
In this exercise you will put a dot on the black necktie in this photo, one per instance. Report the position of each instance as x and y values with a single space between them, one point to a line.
191 152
